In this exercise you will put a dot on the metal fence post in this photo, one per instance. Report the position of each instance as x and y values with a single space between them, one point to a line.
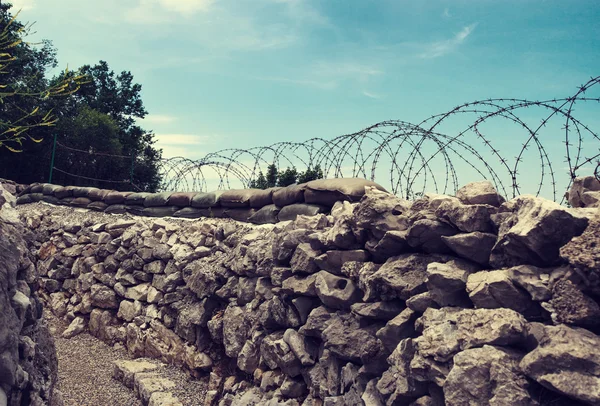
52 159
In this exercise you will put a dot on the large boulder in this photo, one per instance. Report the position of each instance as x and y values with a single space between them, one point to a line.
482 192
327 192
581 187
566 360
400 277
531 231
379 212
487 376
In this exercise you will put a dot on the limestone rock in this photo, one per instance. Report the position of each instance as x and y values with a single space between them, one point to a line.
303 260
400 277
426 234
379 212
447 331
572 306
495 289
475 246
336 292
532 230
332 261
379 310
400 327
447 282
124 370
487 376
567 361
482 192
467 218
345 338
77 326
104 297
129 310
578 189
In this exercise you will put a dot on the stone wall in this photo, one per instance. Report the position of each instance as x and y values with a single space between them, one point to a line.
467 300
28 366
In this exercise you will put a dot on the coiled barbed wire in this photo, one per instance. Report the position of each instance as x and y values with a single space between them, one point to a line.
472 140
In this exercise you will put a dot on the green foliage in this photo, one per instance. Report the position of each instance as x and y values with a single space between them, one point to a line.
310 174
23 87
272 176
98 118
285 178
260 182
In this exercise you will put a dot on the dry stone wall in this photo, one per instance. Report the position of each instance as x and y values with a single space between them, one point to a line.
28 366
456 300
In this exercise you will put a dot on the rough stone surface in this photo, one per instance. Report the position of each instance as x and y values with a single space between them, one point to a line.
566 360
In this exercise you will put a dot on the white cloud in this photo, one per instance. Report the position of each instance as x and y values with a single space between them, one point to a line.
185 6
441 48
328 75
324 85
371 95
161 11
446 13
186 145
22 5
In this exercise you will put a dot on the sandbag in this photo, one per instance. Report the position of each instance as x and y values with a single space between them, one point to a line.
36 197
97 206
181 199
81 202
36 188
289 195
26 190
164 211
66 201
135 209
237 198
266 215
49 188
262 198
207 200
240 214
328 191
115 197
50 199
24 199
98 194
116 209
192 213
294 210
157 199
137 198
62 192
79 191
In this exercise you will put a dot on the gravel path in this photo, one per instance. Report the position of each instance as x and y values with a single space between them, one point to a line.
85 372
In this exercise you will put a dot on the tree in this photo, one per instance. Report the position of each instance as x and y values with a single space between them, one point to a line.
260 182
23 88
310 174
271 176
118 98
287 177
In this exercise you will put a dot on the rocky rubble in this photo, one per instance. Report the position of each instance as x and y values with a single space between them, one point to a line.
28 366
466 300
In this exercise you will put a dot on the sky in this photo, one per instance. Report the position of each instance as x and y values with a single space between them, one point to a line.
219 74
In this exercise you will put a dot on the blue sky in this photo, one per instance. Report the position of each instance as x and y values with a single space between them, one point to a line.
223 73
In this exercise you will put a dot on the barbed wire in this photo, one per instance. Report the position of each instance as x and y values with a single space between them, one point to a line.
434 155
